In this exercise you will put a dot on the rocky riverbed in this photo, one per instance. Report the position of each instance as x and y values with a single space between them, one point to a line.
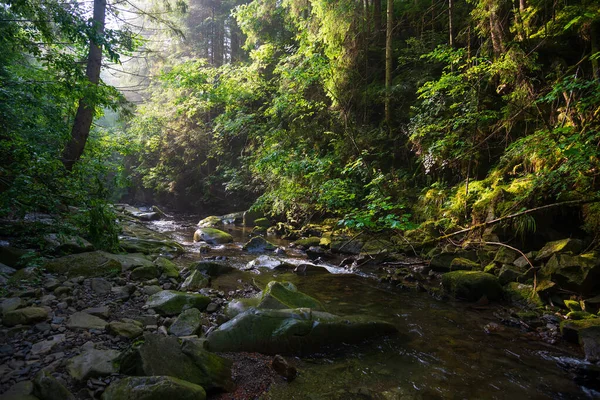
232 315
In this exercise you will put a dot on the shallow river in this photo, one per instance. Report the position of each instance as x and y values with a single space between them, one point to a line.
442 351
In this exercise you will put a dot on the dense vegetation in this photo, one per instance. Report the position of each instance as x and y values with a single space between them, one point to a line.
381 115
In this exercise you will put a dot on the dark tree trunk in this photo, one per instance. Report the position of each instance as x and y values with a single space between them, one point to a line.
388 60
85 111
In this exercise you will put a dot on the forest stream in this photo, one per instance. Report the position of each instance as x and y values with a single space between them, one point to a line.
445 350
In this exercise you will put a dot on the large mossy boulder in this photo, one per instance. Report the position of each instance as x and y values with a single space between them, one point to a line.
170 302
471 285
249 217
153 388
160 355
572 246
284 295
576 273
167 267
258 244
297 331
586 332
95 263
211 222
212 236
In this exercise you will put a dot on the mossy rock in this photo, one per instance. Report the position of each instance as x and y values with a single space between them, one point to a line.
187 323
442 262
150 246
586 332
212 236
297 331
284 295
573 305
559 246
170 302
213 268
153 388
249 217
262 222
25 275
308 242
24 316
195 281
238 306
345 245
504 255
576 273
578 315
144 273
463 264
491 268
167 267
258 244
472 285
96 263
523 294
211 222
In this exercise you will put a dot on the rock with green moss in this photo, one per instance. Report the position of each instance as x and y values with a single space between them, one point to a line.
163 355
573 305
308 242
153 388
212 236
442 262
47 387
510 273
586 332
249 217
11 256
59 243
559 246
463 264
576 315
25 275
131 261
238 306
523 294
95 263
170 302
213 268
262 222
150 246
579 273
93 363
20 391
195 281
187 323
258 244
127 329
504 255
297 331
211 222
491 268
25 316
284 295
471 285
144 273
167 267
377 246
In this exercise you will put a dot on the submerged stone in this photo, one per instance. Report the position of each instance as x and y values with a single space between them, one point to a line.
472 285
212 236
297 331
257 244
153 388
169 302
284 295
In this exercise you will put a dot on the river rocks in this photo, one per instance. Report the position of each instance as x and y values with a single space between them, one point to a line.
443 262
345 245
188 323
81 320
144 273
463 264
59 243
100 286
576 273
10 304
559 246
93 363
11 256
167 267
284 295
249 217
25 316
211 222
46 387
195 281
212 236
504 255
170 302
308 242
523 294
292 331
586 332
131 261
128 329
96 263
46 346
150 246
258 244
472 285
163 355
267 262
213 268
153 388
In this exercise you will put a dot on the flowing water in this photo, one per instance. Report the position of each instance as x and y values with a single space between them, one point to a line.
442 351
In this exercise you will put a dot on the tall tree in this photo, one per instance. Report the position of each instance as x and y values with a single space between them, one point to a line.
85 112
388 60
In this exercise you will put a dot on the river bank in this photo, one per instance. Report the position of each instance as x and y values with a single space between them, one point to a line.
444 348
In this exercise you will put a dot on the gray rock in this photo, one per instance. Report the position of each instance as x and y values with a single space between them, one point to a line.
67 244
25 316
11 304
195 281
82 320
51 284
20 391
126 329
46 387
6 270
100 286
93 363
144 273
153 388
170 302
46 346
188 323
152 289
258 244
101 312
47 299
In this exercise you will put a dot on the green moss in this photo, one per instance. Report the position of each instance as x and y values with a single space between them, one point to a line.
90 264
153 388
211 222
462 264
262 222
471 285
212 235
491 268
523 294
573 305
168 302
579 315
167 267
282 295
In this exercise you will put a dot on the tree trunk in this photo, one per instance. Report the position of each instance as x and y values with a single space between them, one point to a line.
388 60
85 111
594 31
450 34
377 17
